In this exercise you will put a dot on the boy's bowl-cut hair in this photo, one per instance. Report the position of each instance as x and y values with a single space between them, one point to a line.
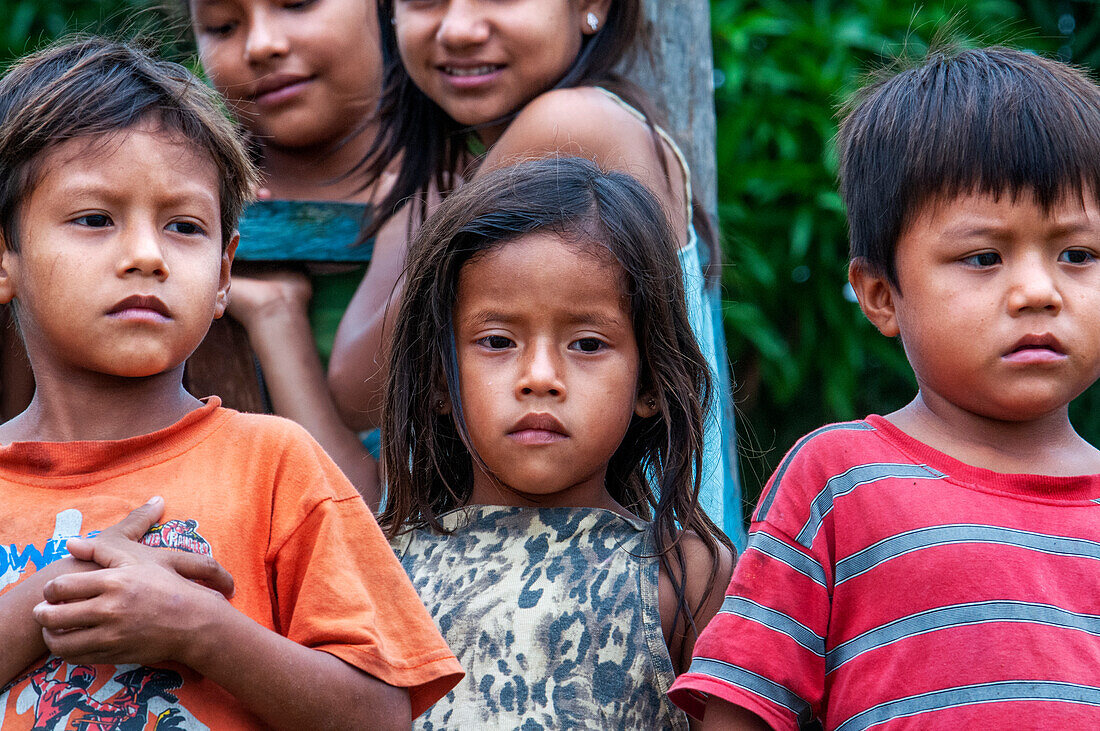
91 86
993 120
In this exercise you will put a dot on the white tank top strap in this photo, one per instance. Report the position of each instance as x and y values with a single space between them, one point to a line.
667 138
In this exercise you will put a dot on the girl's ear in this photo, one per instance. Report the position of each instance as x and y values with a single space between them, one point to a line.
593 15
441 402
222 300
876 296
7 281
646 405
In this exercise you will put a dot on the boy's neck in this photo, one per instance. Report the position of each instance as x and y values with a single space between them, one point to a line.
1048 445
319 172
101 408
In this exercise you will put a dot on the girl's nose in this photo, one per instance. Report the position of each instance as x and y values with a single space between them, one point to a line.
266 38
462 25
540 374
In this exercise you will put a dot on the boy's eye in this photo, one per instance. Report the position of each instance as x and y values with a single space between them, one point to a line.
93 220
983 259
298 4
589 345
495 342
1076 256
186 228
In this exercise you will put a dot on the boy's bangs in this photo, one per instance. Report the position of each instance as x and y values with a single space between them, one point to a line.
993 121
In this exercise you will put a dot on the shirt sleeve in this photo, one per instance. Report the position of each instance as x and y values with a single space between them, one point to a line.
765 649
340 589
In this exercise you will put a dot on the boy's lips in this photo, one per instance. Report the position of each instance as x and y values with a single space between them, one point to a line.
538 428
1036 348
141 307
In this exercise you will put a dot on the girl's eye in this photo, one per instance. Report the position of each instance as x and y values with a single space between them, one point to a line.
298 4
186 228
93 220
1077 256
495 342
589 345
983 259
219 30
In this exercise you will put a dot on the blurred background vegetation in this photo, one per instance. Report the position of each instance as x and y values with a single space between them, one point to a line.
802 352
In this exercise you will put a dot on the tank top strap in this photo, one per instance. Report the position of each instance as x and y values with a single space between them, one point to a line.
679 154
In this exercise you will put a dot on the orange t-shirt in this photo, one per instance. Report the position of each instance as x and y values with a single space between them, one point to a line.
264 499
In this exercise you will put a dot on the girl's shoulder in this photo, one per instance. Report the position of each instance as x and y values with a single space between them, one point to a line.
581 121
705 587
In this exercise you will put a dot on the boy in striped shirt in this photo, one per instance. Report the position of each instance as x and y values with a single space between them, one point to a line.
939 567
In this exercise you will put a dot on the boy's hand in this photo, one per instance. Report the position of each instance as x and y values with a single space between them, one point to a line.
118 546
142 607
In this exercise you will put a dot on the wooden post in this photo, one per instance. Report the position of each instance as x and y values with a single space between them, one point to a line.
681 81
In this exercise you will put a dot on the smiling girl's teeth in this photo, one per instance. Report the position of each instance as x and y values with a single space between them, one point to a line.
474 71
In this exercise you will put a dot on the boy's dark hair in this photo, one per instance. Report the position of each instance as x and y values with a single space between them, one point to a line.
655 473
993 120
90 86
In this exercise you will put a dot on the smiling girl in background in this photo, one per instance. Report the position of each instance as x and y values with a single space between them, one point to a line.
303 78
471 86
543 445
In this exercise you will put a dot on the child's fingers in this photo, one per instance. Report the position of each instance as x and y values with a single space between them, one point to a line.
201 569
69 617
74 587
85 646
140 520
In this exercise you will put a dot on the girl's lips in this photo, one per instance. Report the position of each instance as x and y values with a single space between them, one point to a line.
471 77
536 436
281 92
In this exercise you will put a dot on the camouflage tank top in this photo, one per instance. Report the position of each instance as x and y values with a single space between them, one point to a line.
553 614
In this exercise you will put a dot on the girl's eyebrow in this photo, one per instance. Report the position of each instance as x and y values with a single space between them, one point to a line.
597 319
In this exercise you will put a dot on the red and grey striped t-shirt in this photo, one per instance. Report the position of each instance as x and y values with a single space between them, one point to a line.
887 585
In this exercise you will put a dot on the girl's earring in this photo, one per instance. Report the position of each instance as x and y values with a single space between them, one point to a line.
593 21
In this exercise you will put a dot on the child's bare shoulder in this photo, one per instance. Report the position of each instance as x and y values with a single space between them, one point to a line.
574 121
704 576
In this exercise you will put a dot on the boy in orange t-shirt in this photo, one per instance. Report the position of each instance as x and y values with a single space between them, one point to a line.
258 591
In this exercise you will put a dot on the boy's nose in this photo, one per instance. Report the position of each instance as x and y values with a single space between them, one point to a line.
1034 288
266 38
541 374
462 25
142 254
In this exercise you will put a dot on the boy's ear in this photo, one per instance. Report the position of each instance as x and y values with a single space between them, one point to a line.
876 296
222 300
7 282
646 405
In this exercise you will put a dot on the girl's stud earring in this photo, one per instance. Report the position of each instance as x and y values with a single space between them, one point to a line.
593 21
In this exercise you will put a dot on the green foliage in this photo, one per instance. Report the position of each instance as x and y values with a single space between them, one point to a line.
802 351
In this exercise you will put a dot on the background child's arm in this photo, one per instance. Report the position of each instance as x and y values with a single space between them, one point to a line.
273 309
137 611
357 370
575 122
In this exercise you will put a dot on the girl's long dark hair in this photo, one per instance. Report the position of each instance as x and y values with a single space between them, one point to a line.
432 147
428 464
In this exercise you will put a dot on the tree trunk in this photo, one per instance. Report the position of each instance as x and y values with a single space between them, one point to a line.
680 78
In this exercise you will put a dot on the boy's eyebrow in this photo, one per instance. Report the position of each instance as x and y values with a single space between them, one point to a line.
74 189
965 230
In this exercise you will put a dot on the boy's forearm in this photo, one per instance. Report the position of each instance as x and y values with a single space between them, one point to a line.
20 635
290 686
